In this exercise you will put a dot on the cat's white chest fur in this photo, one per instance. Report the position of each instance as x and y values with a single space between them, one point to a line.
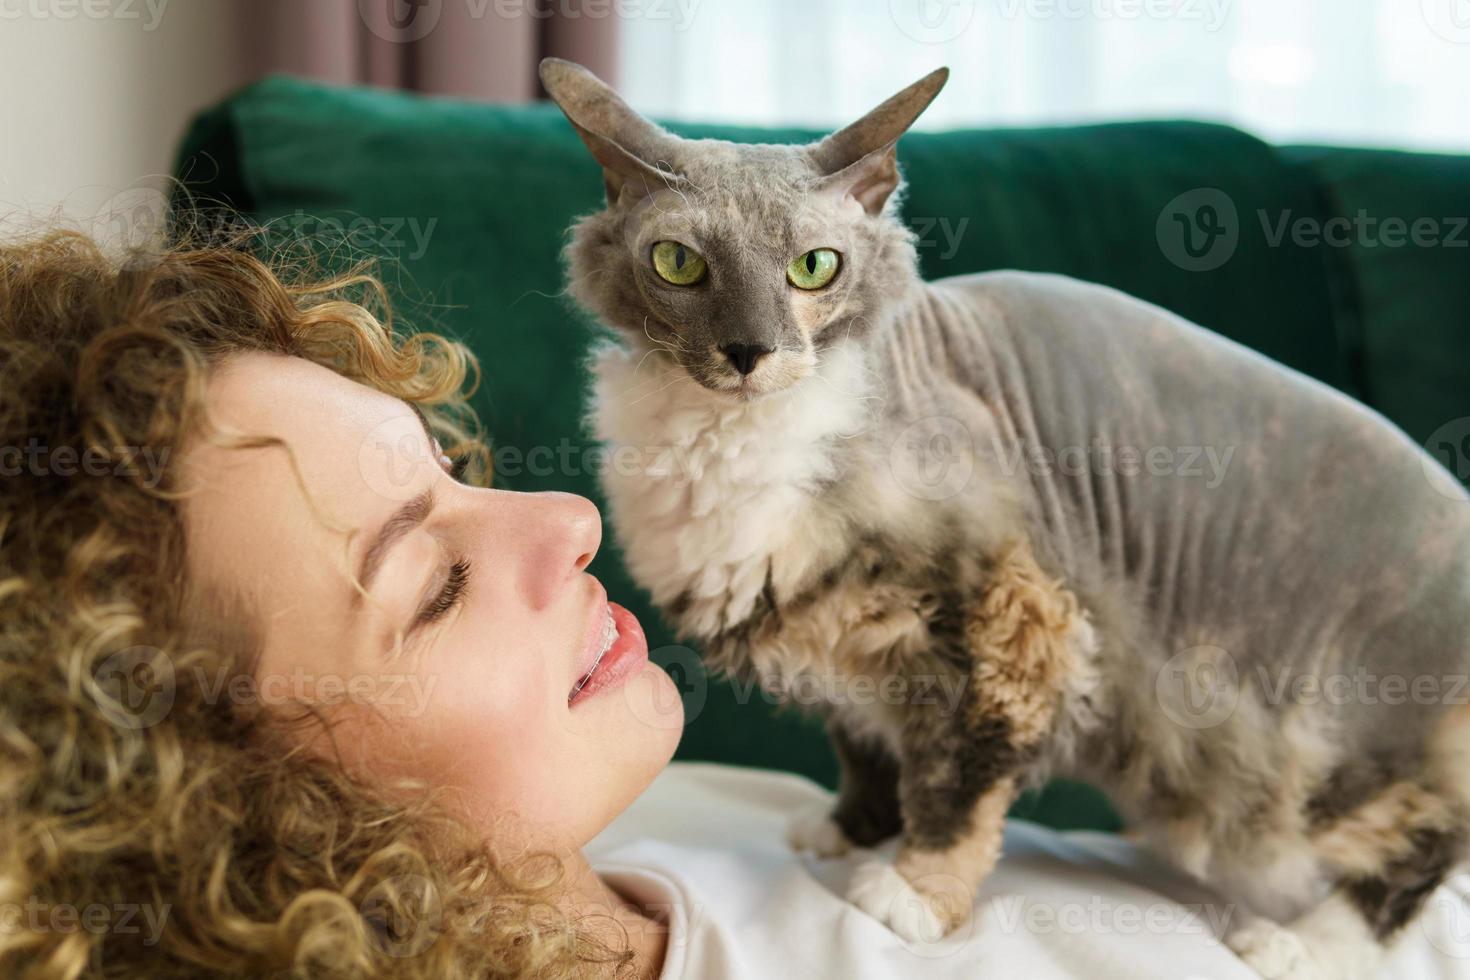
710 494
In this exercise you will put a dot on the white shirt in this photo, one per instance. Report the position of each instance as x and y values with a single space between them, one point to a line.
705 845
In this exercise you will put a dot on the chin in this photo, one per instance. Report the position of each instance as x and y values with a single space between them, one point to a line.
748 391
646 711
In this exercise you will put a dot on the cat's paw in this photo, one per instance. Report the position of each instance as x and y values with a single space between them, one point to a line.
1274 951
813 829
915 914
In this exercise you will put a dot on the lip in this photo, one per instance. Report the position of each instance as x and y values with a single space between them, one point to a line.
592 629
626 657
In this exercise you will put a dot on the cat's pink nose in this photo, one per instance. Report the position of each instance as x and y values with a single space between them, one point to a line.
744 356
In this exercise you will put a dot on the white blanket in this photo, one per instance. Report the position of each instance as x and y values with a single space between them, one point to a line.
705 845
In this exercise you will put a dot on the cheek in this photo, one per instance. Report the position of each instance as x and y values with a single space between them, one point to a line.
814 310
476 718
491 727
488 720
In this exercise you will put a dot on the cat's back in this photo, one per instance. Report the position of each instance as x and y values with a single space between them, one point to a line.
1223 488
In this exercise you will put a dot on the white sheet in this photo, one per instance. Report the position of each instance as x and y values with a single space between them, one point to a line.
706 845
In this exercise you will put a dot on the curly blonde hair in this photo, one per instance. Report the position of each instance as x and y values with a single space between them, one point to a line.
189 841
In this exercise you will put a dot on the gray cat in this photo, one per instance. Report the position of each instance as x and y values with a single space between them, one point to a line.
1013 525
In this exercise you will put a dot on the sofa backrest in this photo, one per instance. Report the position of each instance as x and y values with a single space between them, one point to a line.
469 203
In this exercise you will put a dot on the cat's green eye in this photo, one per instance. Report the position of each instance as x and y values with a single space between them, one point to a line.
814 269
677 263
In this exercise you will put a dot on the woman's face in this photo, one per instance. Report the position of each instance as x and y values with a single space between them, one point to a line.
505 690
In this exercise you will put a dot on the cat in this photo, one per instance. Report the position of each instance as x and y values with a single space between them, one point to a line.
1142 554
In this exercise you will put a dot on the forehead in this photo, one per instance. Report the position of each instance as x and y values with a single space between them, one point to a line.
276 516
323 417
767 191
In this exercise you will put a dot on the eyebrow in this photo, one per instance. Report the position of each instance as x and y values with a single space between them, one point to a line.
412 514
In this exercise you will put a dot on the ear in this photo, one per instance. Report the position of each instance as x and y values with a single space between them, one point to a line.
633 151
861 159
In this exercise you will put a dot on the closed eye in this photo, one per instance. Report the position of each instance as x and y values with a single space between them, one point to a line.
449 596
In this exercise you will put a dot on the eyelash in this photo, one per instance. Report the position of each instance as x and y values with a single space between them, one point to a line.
459 467
451 594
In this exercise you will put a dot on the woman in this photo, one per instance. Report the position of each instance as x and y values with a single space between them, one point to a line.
284 690
251 620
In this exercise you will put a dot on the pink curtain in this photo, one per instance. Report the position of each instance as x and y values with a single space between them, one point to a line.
479 49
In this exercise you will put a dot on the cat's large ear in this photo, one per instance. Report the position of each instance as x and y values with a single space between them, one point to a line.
862 159
633 151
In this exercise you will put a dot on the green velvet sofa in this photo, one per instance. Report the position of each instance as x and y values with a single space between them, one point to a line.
1350 265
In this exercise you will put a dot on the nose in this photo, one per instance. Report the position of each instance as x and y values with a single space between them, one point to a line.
554 536
744 356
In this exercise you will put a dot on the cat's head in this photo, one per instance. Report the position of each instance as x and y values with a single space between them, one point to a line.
742 262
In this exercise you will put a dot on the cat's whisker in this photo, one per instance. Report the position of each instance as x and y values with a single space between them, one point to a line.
673 344
677 371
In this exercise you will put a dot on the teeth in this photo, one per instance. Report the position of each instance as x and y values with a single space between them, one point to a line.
609 637
609 634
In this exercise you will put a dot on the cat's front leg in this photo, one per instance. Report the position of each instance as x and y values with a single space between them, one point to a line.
954 790
866 811
960 766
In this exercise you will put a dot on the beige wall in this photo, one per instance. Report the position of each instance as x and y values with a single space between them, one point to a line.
97 94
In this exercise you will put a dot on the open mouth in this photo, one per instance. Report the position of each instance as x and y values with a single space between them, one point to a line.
622 651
